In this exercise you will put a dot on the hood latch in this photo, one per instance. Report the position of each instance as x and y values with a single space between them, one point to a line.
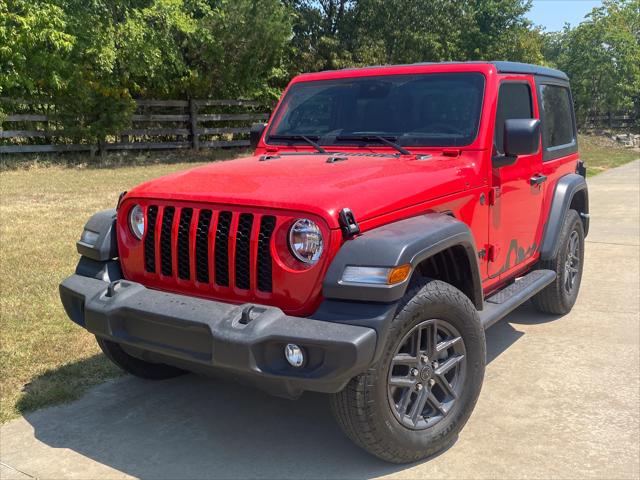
348 223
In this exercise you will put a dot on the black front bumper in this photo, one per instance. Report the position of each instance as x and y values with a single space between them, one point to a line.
246 341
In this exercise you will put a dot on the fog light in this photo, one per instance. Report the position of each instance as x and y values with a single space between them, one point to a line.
294 355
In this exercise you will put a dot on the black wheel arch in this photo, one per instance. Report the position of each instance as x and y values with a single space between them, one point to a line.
570 192
436 245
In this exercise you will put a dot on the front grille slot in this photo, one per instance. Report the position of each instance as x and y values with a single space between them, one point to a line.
209 248
184 230
166 257
267 224
243 239
150 240
202 246
222 249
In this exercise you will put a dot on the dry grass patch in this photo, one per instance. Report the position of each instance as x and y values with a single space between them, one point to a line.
44 357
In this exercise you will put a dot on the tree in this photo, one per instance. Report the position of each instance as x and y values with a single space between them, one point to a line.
92 58
319 32
339 33
499 30
35 47
237 48
602 58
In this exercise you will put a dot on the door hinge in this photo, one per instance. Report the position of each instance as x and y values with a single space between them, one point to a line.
348 223
491 253
494 193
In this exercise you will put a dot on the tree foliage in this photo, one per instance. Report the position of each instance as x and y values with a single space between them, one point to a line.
602 58
337 33
92 58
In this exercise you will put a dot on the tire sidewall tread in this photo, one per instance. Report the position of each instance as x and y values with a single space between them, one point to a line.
553 298
362 408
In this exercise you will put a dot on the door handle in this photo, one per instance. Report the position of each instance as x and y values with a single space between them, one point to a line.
538 179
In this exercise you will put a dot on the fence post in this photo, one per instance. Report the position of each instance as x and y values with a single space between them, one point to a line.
193 124
610 120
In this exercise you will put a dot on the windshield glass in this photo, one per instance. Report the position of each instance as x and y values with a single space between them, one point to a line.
410 110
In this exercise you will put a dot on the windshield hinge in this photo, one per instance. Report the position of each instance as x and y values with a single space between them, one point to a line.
264 158
348 223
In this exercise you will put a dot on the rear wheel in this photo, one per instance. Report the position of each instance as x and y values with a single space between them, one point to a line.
415 400
135 366
560 296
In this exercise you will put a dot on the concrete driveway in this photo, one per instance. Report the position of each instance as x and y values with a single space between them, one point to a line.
560 399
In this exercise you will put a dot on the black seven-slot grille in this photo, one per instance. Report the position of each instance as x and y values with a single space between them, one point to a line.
207 236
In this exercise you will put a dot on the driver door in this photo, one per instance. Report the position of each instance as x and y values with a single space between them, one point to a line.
515 215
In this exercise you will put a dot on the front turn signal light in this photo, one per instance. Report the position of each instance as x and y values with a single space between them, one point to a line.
398 274
376 275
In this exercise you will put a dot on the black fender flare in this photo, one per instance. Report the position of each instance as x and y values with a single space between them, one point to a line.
406 241
565 190
105 248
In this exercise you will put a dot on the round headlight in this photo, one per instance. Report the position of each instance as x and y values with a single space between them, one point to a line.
136 221
305 241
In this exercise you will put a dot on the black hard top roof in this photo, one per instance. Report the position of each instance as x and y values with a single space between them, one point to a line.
528 68
501 66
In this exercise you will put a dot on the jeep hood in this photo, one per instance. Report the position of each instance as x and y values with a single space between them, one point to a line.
370 185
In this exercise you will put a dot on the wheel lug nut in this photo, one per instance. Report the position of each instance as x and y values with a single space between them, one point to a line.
418 386
414 372
424 358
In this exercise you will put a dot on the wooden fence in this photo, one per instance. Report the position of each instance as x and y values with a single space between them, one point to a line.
156 124
612 121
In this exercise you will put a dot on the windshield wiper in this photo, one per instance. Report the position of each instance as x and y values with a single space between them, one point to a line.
387 140
299 137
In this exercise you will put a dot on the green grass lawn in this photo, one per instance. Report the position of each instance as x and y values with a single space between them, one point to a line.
44 357
602 153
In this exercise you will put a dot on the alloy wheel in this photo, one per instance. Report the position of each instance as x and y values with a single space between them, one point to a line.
572 263
426 375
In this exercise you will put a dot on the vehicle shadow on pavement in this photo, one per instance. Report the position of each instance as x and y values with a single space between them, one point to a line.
197 427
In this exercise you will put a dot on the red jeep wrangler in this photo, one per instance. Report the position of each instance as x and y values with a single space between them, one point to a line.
388 217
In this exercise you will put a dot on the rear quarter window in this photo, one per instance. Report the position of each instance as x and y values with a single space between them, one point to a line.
558 126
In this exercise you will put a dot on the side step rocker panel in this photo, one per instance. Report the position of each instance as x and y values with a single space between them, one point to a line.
503 302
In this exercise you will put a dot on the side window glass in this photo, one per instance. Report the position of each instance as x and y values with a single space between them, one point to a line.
514 101
557 123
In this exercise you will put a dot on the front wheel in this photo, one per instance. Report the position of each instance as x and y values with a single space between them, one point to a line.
415 400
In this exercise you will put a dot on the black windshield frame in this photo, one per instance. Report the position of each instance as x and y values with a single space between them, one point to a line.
401 101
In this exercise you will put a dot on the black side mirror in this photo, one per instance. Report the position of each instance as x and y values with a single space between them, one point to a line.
521 137
255 133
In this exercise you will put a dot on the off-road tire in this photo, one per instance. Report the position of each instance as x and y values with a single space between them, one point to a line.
555 298
363 409
135 366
